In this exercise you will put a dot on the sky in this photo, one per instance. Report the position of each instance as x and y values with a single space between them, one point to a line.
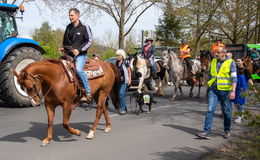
33 18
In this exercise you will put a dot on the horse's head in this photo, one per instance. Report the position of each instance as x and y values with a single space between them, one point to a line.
205 59
166 58
31 84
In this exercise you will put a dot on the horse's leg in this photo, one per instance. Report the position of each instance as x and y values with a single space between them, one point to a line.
100 100
108 122
174 91
140 85
191 91
50 109
198 95
66 116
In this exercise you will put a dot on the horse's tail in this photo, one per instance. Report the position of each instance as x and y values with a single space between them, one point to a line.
115 93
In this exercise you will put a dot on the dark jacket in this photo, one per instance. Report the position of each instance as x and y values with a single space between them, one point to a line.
151 51
79 37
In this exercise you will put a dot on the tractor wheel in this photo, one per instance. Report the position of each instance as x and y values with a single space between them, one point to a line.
10 90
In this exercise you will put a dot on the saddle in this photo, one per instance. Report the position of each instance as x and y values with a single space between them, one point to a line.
91 68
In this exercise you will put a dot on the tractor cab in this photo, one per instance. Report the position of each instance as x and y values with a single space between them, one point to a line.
7 21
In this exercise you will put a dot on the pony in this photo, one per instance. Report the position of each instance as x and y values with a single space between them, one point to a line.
143 71
205 59
47 83
139 65
178 71
249 64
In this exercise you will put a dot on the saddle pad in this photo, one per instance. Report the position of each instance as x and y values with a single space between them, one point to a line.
66 66
93 69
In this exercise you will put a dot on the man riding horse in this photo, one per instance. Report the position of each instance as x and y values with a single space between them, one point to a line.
185 54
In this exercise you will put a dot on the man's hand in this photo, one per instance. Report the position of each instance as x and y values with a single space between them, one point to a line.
232 95
75 52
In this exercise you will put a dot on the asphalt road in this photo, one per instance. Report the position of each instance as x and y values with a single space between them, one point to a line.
168 133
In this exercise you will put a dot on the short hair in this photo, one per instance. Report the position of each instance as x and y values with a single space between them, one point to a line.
75 10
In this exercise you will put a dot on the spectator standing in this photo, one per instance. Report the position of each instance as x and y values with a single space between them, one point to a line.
125 71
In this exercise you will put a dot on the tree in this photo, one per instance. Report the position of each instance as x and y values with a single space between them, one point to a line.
124 12
49 39
238 21
169 30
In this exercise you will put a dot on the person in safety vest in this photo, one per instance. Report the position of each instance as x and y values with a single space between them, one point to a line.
222 86
217 44
185 53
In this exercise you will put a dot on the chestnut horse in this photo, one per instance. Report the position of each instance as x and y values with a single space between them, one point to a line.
47 81
249 64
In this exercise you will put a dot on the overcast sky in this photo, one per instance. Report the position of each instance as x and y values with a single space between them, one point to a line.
33 18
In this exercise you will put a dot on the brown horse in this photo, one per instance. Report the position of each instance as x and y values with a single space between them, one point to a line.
205 59
47 81
249 64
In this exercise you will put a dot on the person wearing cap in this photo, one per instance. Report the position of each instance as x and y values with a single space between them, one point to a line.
222 87
96 56
148 52
125 71
217 44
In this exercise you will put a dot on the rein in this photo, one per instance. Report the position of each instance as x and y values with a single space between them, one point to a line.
39 93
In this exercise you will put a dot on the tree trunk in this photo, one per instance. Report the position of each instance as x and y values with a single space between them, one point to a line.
121 38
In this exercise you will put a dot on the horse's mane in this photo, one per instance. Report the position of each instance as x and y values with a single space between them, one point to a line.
206 54
41 62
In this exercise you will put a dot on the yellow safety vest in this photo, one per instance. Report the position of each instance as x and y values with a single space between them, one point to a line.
223 77
184 53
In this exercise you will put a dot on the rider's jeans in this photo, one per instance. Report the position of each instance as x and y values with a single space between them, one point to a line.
214 96
122 96
80 62
153 65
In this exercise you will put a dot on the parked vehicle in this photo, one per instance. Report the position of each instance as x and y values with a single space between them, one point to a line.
15 54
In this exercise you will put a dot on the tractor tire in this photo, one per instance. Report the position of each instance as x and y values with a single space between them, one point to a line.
10 91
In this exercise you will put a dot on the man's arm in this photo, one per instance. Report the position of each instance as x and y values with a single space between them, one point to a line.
89 39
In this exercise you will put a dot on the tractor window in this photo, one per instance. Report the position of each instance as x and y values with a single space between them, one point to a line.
7 26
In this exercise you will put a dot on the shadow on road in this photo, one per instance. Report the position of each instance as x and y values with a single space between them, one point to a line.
185 153
39 131
189 130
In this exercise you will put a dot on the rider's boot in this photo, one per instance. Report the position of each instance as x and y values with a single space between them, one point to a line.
86 98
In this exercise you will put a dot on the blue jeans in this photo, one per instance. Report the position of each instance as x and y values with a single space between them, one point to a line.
80 62
240 107
214 96
122 96
153 65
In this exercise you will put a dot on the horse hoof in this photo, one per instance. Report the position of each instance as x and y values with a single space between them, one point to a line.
90 134
148 112
107 130
78 132
172 99
197 97
44 144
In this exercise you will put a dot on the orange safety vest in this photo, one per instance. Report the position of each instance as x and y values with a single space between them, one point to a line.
185 51
214 47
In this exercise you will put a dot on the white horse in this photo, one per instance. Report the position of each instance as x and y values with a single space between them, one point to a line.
178 71
138 64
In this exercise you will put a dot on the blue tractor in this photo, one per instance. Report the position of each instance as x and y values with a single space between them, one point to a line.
15 54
